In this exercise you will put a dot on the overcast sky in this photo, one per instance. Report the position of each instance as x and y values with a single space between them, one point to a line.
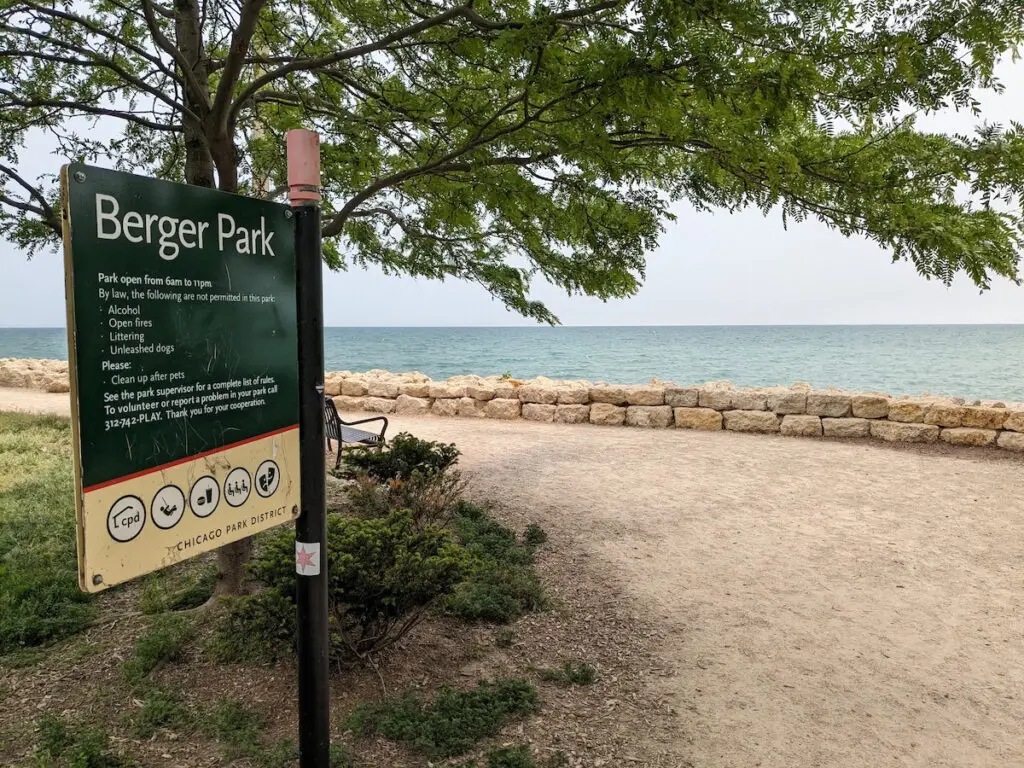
709 270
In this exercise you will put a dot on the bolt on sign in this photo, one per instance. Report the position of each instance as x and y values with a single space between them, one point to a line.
183 351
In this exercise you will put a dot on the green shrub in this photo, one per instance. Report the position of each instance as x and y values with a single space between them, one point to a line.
431 498
40 601
161 709
503 584
404 455
177 589
506 638
452 723
161 642
511 757
74 747
534 536
235 727
256 628
570 673
382 576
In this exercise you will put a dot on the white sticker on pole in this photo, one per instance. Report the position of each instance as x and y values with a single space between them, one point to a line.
307 558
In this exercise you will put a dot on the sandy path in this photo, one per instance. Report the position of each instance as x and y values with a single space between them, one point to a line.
828 604
29 400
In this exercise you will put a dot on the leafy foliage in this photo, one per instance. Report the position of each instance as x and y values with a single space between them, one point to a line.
452 723
515 140
64 744
570 673
161 708
383 574
431 498
255 628
40 601
511 757
162 641
404 456
177 589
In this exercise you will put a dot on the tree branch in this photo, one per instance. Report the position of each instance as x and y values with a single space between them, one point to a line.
240 39
88 109
172 50
45 209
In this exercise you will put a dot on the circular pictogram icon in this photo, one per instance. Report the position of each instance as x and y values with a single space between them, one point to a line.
268 478
168 506
126 518
204 496
237 487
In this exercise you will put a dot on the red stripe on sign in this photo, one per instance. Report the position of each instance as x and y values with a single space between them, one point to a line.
187 459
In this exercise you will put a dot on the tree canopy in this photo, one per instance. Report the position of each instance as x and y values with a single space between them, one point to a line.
499 140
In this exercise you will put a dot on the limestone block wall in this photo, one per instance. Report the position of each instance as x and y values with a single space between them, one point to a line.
797 411
43 375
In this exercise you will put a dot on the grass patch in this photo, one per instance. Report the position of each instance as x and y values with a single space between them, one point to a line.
570 673
161 709
534 536
162 641
504 584
63 744
453 722
40 602
237 728
256 629
505 638
511 757
177 589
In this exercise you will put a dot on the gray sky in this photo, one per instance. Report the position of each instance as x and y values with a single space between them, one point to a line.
711 269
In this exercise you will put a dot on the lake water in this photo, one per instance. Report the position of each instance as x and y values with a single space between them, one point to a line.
973 361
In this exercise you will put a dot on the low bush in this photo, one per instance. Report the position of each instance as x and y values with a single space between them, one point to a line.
161 709
257 628
162 641
511 757
383 575
63 744
453 722
404 455
431 498
178 589
570 673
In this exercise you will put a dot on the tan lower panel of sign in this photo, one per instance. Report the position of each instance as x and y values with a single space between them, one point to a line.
146 523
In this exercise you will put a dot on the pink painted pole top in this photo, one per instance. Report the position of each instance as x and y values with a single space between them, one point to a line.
303 166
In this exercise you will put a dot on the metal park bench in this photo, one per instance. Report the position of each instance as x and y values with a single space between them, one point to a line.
343 431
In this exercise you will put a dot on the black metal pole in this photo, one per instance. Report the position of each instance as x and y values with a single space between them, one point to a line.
311 526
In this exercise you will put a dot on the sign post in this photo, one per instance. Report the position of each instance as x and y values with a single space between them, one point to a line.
311 526
183 350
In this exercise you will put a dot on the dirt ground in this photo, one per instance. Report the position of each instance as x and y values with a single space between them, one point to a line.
815 603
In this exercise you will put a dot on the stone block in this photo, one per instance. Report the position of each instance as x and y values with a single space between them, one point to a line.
608 394
1011 441
751 421
1014 421
718 398
907 411
834 406
538 412
573 394
502 408
445 406
968 436
652 416
944 415
705 419
332 384
412 406
353 387
846 427
870 406
480 391
904 432
749 400
382 388
645 394
415 389
538 393
445 391
801 426
985 418
505 390
474 409
682 397
787 401
378 405
607 414
347 403
572 414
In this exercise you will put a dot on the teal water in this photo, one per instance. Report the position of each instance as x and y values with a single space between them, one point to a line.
973 361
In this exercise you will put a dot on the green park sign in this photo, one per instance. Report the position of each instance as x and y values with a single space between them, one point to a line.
183 350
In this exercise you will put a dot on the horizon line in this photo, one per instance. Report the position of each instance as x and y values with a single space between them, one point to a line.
621 325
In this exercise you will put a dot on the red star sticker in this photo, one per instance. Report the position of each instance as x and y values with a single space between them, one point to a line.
304 559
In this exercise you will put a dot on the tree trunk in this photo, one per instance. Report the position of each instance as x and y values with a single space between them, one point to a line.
231 561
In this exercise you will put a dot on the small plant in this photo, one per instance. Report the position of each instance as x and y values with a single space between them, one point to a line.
178 591
256 628
431 498
342 757
452 723
235 727
160 643
73 746
511 757
570 673
534 536
403 456
505 638
161 709
506 376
